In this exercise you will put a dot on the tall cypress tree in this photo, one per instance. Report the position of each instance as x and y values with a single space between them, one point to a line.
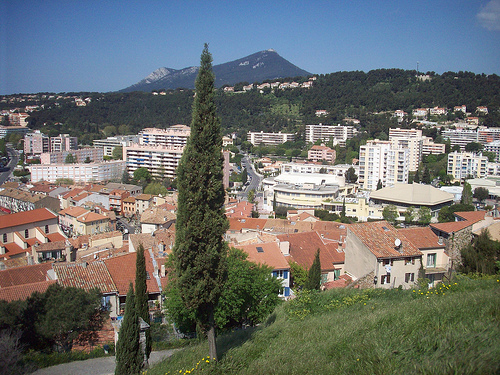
128 350
200 253
313 281
141 293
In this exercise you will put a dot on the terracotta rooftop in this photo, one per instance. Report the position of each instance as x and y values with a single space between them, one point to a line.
91 216
157 215
24 275
237 224
451 227
26 217
422 237
379 237
471 216
265 253
23 292
286 226
49 246
303 247
73 211
85 276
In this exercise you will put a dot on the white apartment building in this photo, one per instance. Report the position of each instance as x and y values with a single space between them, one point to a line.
338 170
270 139
81 172
405 133
429 147
460 137
493 147
486 135
94 154
161 161
379 160
109 144
339 133
414 146
63 142
175 135
465 164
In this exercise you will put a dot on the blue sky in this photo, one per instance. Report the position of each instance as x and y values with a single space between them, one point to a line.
87 45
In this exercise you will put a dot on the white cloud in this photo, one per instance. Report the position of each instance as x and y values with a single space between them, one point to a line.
489 15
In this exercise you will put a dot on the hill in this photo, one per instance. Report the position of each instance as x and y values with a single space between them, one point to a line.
447 330
257 67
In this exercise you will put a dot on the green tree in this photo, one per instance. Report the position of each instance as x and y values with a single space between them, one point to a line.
117 153
350 176
87 160
379 185
390 213
200 253
466 194
298 276
409 215
142 176
141 293
251 196
481 193
156 188
125 177
481 256
244 176
424 215
313 281
128 348
70 159
473 147
426 176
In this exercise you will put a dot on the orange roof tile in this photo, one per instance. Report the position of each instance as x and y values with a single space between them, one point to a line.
451 227
73 211
266 253
422 237
379 237
24 275
91 216
246 223
23 292
26 217
471 216
85 276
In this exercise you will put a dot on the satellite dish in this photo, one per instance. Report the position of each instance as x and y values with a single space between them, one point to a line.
397 242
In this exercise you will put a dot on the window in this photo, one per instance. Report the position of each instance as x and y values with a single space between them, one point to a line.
431 260
26 233
46 229
409 277
388 262
336 274
5 237
409 261
386 279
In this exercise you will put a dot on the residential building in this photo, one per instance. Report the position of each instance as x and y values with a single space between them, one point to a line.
80 155
129 206
380 161
63 142
19 119
486 135
6 130
110 143
467 165
161 161
339 133
420 113
460 137
156 217
15 200
338 170
456 235
317 153
116 198
429 147
376 254
269 254
493 146
360 208
175 136
143 202
80 172
269 139
36 143
79 221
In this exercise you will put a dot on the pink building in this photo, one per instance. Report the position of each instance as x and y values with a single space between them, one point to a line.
322 152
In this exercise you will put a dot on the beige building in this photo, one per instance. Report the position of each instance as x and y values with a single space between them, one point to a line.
175 136
467 165
257 138
317 153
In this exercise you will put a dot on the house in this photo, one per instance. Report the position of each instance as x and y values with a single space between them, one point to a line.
128 205
302 248
156 218
435 261
456 235
143 202
17 200
116 198
20 282
322 152
80 221
377 255
239 209
269 254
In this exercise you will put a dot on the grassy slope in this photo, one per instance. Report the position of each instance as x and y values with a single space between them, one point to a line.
454 329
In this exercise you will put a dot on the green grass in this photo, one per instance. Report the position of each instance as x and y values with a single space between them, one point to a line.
452 329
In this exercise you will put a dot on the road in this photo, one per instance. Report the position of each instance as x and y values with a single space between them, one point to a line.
14 159
253 178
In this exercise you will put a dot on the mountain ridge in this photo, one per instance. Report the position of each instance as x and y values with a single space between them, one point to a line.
257 67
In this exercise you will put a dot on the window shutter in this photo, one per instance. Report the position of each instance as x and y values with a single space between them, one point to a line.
285 274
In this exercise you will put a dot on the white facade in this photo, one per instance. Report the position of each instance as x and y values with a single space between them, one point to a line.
257 138
160 161
378 160
460 137
109 144
105 171
175 136
466 164
340 133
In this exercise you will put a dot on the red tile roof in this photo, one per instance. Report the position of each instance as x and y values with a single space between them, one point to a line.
451 227
237 224
269 254
422 237
122 271
85 276
23 292
73 211
379 237
26 217
303 247
91 216
471 216
24 275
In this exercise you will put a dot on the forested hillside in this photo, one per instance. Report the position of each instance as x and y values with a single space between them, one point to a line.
343 94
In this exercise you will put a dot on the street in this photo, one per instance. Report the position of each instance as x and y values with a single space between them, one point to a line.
14 159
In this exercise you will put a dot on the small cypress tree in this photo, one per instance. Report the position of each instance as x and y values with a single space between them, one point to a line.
128 349
141 293
314 276
379 185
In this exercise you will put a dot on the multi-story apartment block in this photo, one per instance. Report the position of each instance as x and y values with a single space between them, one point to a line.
493 147
466 164
338 170
486 135
339 133
460 137
379 160
429 147
93 154
405 133
414 146
176 136
36 143
109 144
6 130
161 161
63 142
270 139
322 152
81 172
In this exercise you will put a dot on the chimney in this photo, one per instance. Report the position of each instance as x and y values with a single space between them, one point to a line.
284 247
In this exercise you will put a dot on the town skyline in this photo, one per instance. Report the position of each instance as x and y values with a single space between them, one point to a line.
72 47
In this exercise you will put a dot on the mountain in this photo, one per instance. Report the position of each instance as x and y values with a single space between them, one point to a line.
257 67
